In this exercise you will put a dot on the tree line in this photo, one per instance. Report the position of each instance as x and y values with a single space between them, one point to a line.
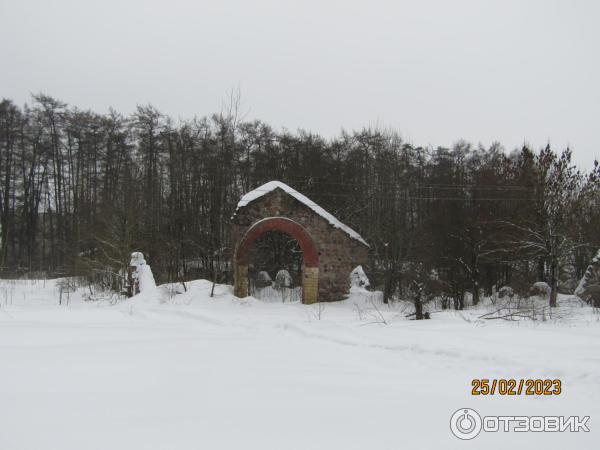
79 191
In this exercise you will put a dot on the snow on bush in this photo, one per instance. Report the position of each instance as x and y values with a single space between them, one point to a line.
358 278
588 288
263 279
137 259
283 279
146 278
588 274
506 291
143 273
540 288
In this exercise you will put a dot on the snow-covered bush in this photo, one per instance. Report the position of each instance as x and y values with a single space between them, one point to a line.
358 278
283 279
588 288
506 291
146 278
567 281
66 287
141 273
263 279
137 259
540 289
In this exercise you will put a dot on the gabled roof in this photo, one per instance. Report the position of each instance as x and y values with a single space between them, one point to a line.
272 185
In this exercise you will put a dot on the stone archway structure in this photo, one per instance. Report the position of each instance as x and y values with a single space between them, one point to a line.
330 249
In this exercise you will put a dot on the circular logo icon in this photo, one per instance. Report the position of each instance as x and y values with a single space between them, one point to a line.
465 423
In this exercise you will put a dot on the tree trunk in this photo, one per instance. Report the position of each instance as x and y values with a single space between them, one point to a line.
475 292
418 306
387 290
553 282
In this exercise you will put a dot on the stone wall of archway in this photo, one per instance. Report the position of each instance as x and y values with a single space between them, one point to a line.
329 252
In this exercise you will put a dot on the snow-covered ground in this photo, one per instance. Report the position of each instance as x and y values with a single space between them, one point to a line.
186 371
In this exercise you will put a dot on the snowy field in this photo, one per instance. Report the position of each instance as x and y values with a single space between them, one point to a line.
186 371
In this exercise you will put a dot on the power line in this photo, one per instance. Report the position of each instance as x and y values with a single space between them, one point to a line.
376 183
401 197
438 186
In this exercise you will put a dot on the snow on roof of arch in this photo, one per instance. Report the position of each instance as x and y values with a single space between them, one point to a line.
272 185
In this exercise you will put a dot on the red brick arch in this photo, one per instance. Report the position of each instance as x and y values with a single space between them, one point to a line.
297 231
310 253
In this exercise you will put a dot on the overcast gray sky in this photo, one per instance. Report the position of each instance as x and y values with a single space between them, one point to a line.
512 71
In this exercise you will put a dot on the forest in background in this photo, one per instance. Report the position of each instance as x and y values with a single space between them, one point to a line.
79 191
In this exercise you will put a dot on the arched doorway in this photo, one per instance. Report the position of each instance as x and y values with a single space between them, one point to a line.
275 268
310 253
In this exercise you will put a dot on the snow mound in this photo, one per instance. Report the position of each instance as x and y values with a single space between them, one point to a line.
146 278
272 185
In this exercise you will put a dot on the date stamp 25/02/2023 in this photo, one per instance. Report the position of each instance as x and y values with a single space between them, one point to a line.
510 386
